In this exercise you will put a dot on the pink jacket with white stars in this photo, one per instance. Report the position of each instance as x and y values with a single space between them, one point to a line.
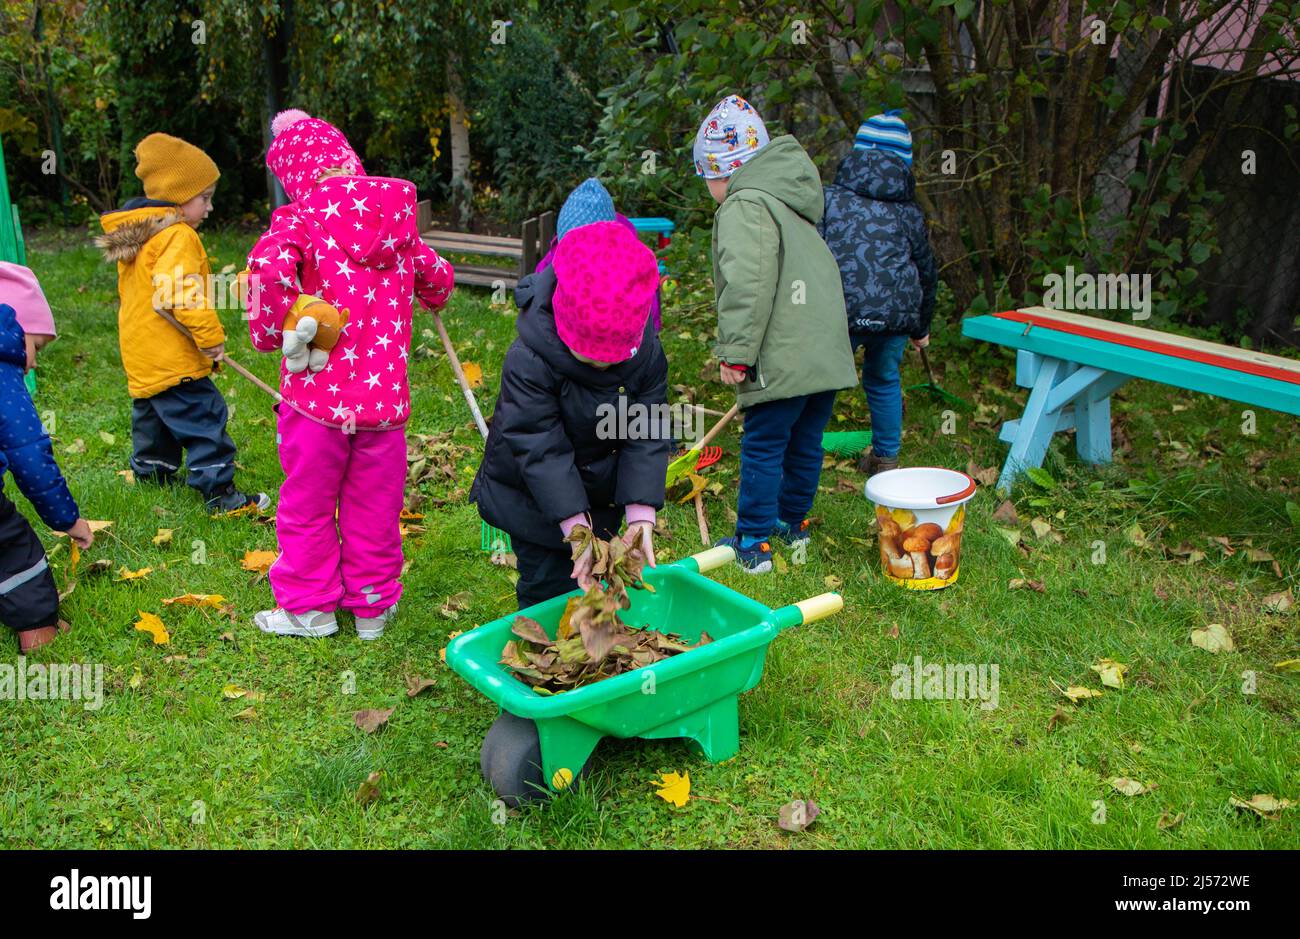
352 242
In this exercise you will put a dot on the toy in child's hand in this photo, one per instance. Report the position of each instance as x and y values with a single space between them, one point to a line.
312 329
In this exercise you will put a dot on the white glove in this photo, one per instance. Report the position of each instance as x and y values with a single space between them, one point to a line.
295 344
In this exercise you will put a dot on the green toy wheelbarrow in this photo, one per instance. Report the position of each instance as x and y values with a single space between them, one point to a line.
541 743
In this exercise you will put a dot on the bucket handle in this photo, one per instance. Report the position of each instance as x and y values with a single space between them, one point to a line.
806 611
957 496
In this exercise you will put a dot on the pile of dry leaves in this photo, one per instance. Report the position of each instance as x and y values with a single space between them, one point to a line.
592 642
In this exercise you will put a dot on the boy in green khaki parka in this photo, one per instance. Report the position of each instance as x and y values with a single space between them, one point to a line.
783 337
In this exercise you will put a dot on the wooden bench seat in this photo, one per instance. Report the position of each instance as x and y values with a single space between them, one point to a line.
1073 363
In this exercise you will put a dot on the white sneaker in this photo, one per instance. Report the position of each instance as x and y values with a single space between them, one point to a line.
280 622
372 627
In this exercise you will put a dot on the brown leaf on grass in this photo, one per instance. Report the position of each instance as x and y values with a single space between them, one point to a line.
893 632
1129 787
369 789
1005 514
1258 556
1020 583
1058 717
1168 821
247 714
417 683
797 815
1224 544
984 475
1265 806
456 604
372 719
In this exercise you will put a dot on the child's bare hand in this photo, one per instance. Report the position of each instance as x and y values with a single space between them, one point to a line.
215 352
640 535
729 375
922 342
582 566
81 534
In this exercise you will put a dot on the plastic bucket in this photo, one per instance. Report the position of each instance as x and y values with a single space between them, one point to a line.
920 513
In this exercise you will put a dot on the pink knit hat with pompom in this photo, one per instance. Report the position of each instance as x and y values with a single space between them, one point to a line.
304 146
605 279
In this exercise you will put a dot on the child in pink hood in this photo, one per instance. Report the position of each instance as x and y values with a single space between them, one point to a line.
351 240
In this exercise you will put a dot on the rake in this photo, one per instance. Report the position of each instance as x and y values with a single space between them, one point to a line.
490 538
933 388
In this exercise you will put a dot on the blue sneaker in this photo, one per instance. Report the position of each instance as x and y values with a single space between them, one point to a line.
791 534
754 555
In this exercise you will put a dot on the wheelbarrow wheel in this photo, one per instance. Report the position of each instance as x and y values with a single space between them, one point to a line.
511 760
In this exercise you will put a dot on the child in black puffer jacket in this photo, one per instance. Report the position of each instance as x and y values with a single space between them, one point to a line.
556 456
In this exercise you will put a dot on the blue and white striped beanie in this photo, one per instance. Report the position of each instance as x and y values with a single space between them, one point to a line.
590 202
885 131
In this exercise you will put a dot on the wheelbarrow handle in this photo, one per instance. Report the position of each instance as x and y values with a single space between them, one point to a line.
710 558
805 611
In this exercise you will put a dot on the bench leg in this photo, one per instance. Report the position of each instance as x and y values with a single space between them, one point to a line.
1056 386
1037 424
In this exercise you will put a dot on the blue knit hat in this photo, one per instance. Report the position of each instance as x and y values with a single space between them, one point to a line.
885 131
590 202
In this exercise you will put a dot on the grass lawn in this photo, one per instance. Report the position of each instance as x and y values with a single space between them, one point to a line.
166 762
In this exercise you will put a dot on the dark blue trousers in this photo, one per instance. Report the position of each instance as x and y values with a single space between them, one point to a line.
781 461
192 417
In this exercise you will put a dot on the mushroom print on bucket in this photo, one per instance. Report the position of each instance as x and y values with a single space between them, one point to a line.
920 515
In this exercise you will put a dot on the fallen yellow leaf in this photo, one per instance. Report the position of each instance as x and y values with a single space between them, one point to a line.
213 600
1077 693
1213 638
674 788
164 536
124 574
151 624
473 373
259 561
1112 673
75 558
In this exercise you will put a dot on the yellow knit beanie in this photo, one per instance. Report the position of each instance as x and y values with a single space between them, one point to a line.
173 170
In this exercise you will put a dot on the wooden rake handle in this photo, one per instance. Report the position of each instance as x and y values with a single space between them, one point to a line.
460 375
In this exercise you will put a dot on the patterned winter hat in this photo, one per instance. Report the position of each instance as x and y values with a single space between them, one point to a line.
590 202
304 146
605 280
20 289
731 134
885 131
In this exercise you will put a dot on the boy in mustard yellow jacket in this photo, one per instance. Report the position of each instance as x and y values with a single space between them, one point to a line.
163 274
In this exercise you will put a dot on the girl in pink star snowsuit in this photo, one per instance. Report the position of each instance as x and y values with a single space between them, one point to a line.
351 240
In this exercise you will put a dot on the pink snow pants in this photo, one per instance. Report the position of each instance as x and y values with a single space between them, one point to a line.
353 560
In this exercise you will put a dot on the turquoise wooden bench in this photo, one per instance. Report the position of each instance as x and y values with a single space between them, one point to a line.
1073 363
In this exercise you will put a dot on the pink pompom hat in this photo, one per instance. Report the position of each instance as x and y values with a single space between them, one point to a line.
605 280
304 146
20 289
